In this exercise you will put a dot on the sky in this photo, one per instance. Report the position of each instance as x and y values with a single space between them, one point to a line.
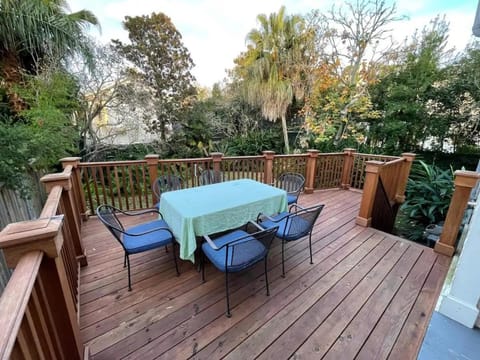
214 31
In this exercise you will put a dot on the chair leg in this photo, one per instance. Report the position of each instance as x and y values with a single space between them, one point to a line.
174 257
166 249
128 269
266 277
125 260
202 265
228 298
310 244
283 258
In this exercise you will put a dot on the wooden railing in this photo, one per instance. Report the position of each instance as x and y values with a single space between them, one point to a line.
39 306
383 191
127 184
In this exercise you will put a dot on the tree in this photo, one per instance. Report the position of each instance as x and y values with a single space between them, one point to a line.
43 132
273 68
108 105
355 44
33 31
408 97
162 64
37 95
458 101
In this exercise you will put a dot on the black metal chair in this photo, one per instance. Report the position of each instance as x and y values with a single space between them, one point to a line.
293 184
236 251
165 183
292 225
209 176
139 238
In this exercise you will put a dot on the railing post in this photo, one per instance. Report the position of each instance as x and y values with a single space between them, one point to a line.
19 239
216 159
372 171
68 201
408 159
78 193
268 167
465 181
347 167
310 171
152 163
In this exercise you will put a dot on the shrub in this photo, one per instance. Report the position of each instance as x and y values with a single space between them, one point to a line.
429 191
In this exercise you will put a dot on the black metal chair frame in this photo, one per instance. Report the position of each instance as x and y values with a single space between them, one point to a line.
298 211
265 236
210 176
165 183
119 230
292 183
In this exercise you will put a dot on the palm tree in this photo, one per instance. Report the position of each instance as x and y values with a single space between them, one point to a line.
273 78
32 31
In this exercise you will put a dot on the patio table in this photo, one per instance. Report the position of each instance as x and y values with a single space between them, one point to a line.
218 207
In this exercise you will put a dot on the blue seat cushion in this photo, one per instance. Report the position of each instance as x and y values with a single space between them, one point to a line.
292 199
136 244
241 255
297 227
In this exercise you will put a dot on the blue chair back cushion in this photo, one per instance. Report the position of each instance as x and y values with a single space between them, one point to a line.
136 244
241 255
296 226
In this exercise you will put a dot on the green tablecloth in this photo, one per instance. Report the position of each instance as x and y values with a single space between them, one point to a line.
218 207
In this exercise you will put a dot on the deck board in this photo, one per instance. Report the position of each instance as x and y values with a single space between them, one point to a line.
367 295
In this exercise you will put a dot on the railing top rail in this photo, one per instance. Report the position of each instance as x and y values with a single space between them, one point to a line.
107 163
243 157
332 154
51 205
291 155
14 300
185 160
393 162
377 156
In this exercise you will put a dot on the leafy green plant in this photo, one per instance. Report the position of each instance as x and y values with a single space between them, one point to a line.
429 191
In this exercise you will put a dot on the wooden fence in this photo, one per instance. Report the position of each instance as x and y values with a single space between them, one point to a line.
39 306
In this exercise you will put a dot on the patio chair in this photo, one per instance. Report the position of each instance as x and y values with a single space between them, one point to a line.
293 184
209 176
293 225
139 238
165 183
236 251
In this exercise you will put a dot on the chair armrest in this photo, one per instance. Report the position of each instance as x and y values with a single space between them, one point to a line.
296 207
258 226
262 217
142 212
210 242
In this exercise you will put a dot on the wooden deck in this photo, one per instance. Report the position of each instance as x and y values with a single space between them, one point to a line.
368 295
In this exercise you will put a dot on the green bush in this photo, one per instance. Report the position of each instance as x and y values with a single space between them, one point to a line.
429 191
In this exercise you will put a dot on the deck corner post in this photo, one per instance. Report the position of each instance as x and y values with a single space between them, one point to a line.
348 154
216 159
152 164
268 167
310 171
372 174
78 193
465 181
408 159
